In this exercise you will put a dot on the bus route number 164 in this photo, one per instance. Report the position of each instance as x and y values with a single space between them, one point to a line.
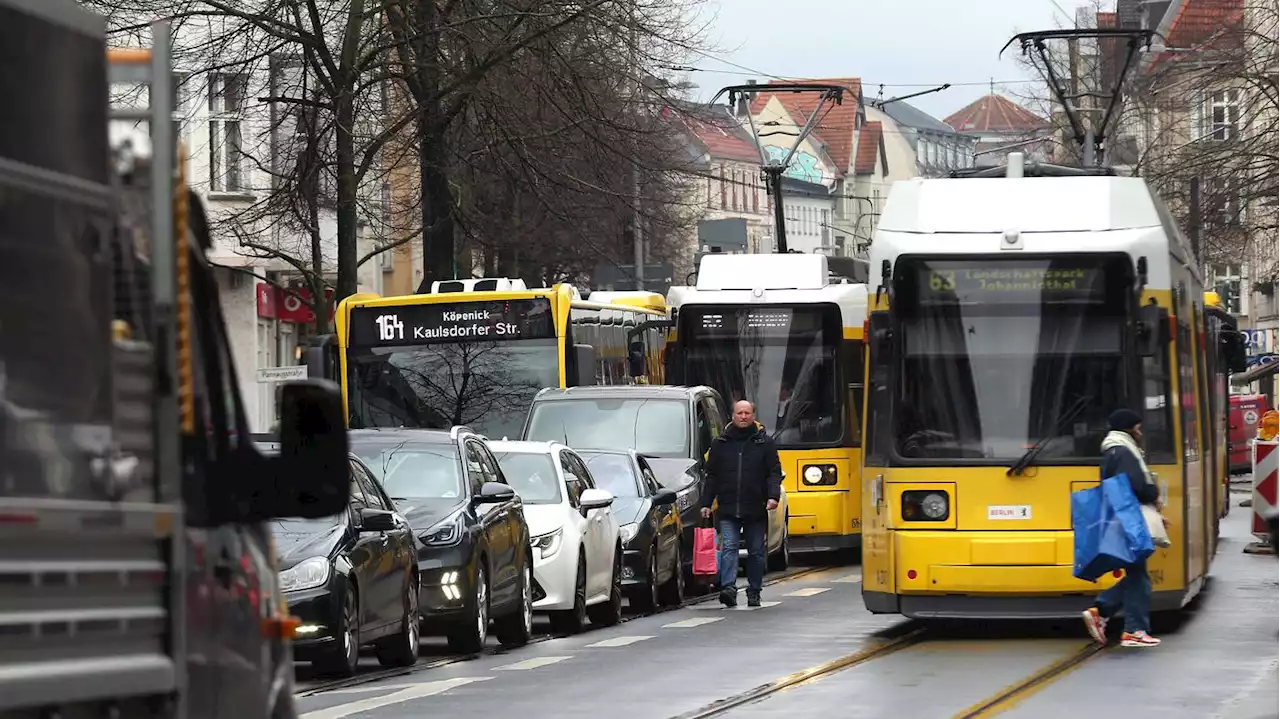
389 328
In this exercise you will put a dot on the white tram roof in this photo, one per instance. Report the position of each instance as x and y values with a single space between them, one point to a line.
725 279
1029 215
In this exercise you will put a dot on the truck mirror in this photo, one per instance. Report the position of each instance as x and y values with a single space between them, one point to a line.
313 476
1233 351
1150 335
321 357
635 360
584 360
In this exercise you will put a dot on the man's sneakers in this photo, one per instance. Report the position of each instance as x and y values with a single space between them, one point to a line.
1138 639
1096 624
729 598
753 599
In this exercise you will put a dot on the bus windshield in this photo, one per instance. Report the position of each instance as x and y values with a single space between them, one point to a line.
782 358
999 355
439 365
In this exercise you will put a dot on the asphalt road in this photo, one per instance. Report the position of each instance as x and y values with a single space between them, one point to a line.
813 650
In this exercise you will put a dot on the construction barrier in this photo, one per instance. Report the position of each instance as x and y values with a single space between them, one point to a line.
1266 460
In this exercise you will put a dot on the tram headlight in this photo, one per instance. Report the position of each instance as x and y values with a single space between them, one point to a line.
819 475
925 506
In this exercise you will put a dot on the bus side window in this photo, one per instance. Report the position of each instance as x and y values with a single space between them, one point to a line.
854 362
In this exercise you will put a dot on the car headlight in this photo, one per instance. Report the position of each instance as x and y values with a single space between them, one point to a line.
307 574
445 532
627 532
687 497
547 544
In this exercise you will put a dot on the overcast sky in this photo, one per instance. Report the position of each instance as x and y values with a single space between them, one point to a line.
908 45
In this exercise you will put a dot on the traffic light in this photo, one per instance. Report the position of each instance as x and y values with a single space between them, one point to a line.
1229 291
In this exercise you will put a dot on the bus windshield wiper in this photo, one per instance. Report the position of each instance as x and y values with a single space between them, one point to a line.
1030 455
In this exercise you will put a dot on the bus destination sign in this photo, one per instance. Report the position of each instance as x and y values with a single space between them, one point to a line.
486 321
755 321
950 281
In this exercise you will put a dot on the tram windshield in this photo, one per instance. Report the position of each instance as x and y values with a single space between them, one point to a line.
782 358
999 355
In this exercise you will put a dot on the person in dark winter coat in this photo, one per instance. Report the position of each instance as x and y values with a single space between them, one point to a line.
744 474
1121 454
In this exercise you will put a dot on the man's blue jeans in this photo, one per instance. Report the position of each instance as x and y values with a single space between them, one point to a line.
732 531
1133 594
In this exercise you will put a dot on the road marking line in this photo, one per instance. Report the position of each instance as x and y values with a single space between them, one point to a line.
414 691
690 623
530 664
807 592
618 641
850 579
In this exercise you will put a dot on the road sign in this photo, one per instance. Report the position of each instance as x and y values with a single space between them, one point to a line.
269 375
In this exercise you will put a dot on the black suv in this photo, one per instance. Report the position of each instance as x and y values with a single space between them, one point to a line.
672 427
474 555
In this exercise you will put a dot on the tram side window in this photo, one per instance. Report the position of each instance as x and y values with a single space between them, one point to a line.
1187 394
879 430
854 364
1157 430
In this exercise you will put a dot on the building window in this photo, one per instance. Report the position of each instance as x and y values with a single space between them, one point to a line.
226 106
180 90
1219 116
921 150
755 193
724 200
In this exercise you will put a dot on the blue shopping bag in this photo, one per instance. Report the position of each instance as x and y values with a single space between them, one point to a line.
1110 532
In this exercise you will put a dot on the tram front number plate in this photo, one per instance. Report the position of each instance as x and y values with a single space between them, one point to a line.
1009 511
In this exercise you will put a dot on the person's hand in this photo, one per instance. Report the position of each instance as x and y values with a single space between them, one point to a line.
771 505
706 512
1166 522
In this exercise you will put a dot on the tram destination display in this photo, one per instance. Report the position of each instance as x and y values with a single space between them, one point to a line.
1001 282
486 321
755 321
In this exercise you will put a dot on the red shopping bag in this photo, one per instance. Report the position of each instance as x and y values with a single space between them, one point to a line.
704 551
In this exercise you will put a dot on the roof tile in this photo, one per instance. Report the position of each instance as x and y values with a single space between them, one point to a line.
836 128
869 141
995 113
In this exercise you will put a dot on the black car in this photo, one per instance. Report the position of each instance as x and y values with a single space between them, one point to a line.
352 580
649 524
471 537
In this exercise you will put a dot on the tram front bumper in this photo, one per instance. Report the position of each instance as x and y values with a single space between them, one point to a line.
990 574
822 520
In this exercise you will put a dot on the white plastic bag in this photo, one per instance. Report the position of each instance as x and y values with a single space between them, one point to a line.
1155 526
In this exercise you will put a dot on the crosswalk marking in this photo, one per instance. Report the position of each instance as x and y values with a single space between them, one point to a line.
694 622
410 692
850 579
618 641
530 664
808 592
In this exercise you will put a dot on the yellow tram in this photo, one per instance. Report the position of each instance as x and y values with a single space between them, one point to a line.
1009 317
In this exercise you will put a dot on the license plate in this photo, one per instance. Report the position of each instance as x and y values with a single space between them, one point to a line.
1009 511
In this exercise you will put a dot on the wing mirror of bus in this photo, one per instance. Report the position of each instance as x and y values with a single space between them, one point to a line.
881 339
584 357
312 473
1150 335
635 360
1233 351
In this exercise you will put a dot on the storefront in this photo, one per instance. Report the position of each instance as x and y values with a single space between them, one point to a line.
285 326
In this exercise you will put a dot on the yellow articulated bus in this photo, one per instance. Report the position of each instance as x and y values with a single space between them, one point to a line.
780 331
475 352
1010 316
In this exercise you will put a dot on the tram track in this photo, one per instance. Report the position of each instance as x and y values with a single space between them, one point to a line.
376 675
1012 695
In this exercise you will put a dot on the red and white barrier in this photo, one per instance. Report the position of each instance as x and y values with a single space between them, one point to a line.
1266 462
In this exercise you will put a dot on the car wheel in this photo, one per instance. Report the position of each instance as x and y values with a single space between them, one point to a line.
468 637
573 621
609 613
344 657
516 628
401 649
645 598
781 559
672 592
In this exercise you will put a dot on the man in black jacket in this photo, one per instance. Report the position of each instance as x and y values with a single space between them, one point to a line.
743 472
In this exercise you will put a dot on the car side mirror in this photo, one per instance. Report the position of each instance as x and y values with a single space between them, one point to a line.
494 493
312 474
664 497
595 499
584 360
377 520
